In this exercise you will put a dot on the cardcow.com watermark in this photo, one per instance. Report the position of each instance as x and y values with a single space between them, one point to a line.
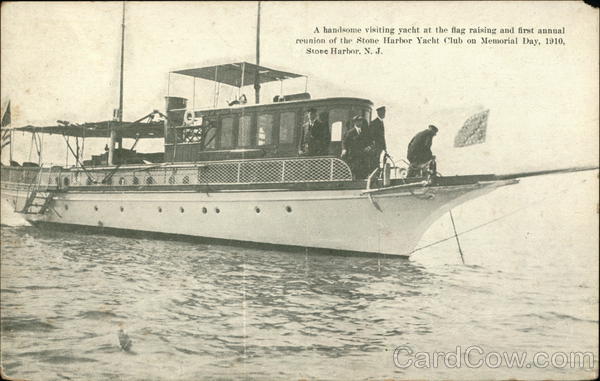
476 357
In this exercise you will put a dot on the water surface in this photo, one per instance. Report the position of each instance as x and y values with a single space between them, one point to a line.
206 311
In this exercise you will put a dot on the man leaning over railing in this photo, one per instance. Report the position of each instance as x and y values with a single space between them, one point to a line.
419 153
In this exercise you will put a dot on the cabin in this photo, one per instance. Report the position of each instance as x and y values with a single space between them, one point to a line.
241 131
256 131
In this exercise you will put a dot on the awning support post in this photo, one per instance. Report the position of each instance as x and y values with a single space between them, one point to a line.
215 97
10 148
67 155
194 98
242 83
257 74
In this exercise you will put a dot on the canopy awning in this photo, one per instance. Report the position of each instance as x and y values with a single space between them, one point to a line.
231 74
129 130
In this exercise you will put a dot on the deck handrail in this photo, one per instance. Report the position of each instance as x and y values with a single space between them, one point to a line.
256 171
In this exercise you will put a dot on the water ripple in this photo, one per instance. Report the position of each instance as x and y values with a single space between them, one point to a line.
206 311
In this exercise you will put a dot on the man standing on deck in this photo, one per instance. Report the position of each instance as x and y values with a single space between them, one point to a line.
356 148
419 152
316 138
377 136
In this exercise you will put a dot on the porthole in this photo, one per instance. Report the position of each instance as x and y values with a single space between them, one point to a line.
135 181
181 209
66 181
159 209
185 180
217 210
122 209
96 208
288 209
122 181
66 207
204 210
257 209
149 180
172 180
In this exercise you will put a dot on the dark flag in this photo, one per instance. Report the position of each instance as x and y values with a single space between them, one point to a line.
473 130
6 134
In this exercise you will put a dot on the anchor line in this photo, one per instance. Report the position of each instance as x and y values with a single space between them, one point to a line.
479 226
462 258
473 228
476 227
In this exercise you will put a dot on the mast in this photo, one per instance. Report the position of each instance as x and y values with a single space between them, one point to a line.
256 76
113 134
122 64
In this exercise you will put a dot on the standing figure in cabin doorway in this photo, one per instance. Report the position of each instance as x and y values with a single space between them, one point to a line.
419 153
356 148
316 139
377 137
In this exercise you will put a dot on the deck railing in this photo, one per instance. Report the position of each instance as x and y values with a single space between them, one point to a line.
19 175
47 177
257 171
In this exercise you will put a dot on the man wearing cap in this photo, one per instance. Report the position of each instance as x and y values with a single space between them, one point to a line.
356 147
419 152
377 137
317 136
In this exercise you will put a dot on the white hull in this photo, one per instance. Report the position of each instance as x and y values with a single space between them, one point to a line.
348 220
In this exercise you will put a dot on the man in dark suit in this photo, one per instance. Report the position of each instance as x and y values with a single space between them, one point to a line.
316 139
419 152
377 136
356 148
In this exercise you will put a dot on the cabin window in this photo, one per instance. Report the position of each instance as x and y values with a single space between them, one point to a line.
336 131
264 133
244 131
338 119
226 132
190 135
286 127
